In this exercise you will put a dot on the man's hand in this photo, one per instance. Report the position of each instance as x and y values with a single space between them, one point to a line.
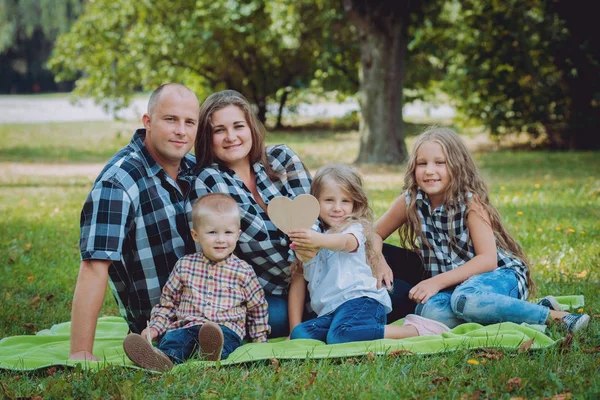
383 273
306 238
423 291
83 355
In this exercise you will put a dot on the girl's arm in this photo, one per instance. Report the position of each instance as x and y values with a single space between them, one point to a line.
485 260
332 241
390 221
393 218
296 296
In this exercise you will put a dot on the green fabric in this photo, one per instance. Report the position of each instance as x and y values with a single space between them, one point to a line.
51 346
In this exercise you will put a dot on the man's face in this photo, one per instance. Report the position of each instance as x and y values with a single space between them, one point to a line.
171 126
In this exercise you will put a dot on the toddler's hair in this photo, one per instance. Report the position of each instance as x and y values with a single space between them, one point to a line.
465 178
350 181
214 203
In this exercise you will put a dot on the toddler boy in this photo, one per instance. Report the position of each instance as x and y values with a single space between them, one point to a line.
209 298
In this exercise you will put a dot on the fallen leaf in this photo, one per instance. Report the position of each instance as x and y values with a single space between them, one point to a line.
567 342
11 261
51 371
313 377
490 354
562 396
27 247
8 295
513 384
29 326
526 345
592 350
398 353
35 300
275 364
370 356
440 379
49 297
472 362
246 375
30 278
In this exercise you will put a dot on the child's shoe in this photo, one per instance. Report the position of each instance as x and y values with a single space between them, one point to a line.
144 355
551 303
575 322
211 341
425 326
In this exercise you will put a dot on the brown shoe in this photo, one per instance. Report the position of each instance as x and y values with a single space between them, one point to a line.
211 341
144 355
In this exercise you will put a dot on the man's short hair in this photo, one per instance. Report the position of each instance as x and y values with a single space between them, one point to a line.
214 203
155 96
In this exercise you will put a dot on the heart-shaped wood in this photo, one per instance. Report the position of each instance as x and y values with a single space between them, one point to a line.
288 214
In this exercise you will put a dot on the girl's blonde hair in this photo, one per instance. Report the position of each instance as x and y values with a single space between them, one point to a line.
465 178
350 181
203 147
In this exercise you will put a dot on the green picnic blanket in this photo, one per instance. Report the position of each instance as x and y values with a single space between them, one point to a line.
51 346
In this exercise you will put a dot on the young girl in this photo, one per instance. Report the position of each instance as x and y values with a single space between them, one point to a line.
479 272
343 291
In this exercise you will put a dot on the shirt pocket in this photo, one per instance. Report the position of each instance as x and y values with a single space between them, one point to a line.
230 296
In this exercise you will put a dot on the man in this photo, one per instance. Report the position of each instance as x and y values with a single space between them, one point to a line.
134 226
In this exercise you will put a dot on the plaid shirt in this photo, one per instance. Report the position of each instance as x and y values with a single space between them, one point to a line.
225 292
135 217
261 244
443 255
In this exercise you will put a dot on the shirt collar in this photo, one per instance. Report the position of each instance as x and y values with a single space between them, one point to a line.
211 264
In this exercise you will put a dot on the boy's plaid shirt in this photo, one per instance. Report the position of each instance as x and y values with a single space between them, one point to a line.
443 255
135 216
261 244
225 292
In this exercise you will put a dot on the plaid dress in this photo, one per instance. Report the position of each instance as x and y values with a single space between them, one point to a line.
135 216
261 244
442 255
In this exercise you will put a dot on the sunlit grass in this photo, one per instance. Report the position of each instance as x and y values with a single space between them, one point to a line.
549 201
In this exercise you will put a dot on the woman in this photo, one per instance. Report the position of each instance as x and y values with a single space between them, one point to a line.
232 158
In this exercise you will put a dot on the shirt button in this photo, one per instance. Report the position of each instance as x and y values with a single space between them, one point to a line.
208 303
210 293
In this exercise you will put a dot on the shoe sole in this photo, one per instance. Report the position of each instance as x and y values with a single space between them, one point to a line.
144 355
211 340
582 323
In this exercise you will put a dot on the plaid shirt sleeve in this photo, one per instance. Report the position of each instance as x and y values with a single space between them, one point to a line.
257 307
105 215
164 312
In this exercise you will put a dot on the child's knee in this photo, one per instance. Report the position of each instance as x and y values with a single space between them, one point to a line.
339 334
463 300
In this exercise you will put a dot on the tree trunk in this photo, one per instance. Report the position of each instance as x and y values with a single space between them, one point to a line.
282 101
383 60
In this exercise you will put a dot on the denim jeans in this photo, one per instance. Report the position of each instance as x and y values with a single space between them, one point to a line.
181 344
355 320
486 298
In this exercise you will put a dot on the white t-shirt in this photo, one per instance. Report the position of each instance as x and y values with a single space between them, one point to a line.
334 277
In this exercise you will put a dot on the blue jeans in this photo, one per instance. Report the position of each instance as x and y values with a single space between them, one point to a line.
181 344
356 320
486 298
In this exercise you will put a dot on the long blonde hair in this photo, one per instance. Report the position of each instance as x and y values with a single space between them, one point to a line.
350 181
465 179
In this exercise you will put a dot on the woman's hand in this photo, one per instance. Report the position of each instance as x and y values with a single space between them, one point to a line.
383 273
424 290
305 238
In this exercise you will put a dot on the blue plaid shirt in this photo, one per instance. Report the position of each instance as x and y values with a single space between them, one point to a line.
443 255
261 244
135 216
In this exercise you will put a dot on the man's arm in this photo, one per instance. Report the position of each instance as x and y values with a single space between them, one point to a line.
87 302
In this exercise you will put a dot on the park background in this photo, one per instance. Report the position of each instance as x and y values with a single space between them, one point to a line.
338 81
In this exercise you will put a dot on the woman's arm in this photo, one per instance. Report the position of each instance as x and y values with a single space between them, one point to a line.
296 297
485 260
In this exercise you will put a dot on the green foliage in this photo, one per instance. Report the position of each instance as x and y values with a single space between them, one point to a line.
525 66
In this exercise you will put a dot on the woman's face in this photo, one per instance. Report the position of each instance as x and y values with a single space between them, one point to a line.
231 136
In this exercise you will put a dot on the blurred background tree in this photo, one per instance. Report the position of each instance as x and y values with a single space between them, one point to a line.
514 66
28 30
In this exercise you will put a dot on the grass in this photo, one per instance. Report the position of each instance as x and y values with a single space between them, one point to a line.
549 201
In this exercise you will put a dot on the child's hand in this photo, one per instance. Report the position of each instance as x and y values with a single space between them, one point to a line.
151 332
423 291
304 254
305 238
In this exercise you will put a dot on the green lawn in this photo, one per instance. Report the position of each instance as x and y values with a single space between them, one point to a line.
548 200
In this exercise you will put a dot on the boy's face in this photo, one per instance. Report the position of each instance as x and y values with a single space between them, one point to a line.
217 235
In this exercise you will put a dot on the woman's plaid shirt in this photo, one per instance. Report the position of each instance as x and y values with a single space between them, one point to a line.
261 244
443 255
225 292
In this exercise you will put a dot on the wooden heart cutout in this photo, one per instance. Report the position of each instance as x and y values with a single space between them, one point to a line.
288 214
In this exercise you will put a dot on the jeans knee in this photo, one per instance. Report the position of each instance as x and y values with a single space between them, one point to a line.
339 334
461 298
